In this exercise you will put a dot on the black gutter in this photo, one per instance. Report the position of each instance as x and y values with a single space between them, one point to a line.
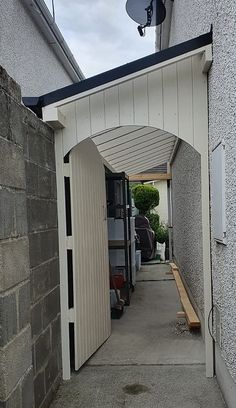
37 103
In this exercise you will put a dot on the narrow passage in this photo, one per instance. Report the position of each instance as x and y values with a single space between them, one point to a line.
151 360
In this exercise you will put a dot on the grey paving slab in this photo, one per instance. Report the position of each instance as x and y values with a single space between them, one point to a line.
140 387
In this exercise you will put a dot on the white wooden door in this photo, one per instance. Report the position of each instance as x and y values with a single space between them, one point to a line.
90 251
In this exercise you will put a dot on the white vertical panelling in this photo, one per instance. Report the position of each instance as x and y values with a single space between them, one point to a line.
69 132
112 111
126 101
83 120
161 99
59 154
90 251
141 100
170 102
185 100
155 99
200 104
97 112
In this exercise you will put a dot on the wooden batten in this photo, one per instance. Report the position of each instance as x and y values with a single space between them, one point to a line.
188 310
173 267
150 177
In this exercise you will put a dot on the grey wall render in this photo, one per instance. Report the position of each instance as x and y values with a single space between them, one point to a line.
30 340
187 220
25 53
187 22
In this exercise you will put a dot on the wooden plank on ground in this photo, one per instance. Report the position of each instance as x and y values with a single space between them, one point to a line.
191 316
173 266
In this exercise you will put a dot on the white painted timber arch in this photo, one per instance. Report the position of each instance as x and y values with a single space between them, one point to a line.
135 121
171 97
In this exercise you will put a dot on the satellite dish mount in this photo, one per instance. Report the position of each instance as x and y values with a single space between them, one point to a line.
141 27
146 13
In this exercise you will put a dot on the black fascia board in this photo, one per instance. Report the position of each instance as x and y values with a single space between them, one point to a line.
119 72
34 104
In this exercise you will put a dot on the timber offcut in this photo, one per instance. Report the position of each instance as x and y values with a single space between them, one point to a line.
190 314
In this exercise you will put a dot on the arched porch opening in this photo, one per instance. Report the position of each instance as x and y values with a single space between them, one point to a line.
134 123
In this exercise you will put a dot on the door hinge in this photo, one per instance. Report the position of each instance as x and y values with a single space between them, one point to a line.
71 315
69 242
67 169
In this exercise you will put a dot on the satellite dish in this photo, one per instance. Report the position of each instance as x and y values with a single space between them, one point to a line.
146 12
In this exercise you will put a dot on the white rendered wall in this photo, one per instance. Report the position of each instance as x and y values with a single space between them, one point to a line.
25 54
189 22
162 208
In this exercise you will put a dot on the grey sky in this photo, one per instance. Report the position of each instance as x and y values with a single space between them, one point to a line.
100 34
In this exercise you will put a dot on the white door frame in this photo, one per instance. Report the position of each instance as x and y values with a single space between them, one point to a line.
61 172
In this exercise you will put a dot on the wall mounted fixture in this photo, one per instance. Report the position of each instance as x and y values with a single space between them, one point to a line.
146 13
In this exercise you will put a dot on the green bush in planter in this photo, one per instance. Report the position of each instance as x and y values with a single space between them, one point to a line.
162 234
154 220
145 198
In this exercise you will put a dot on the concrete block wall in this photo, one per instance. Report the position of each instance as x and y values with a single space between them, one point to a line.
43 257
16 371
30 349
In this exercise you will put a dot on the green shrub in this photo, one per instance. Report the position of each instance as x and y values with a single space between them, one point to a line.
154 220
145 198
162 234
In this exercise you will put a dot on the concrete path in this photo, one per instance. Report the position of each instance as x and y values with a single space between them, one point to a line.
151 360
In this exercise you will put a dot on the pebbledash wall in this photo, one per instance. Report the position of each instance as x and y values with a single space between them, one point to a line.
30 351
188 22
26 54
187 221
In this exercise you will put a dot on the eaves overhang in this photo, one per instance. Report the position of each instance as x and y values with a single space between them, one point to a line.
135 67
